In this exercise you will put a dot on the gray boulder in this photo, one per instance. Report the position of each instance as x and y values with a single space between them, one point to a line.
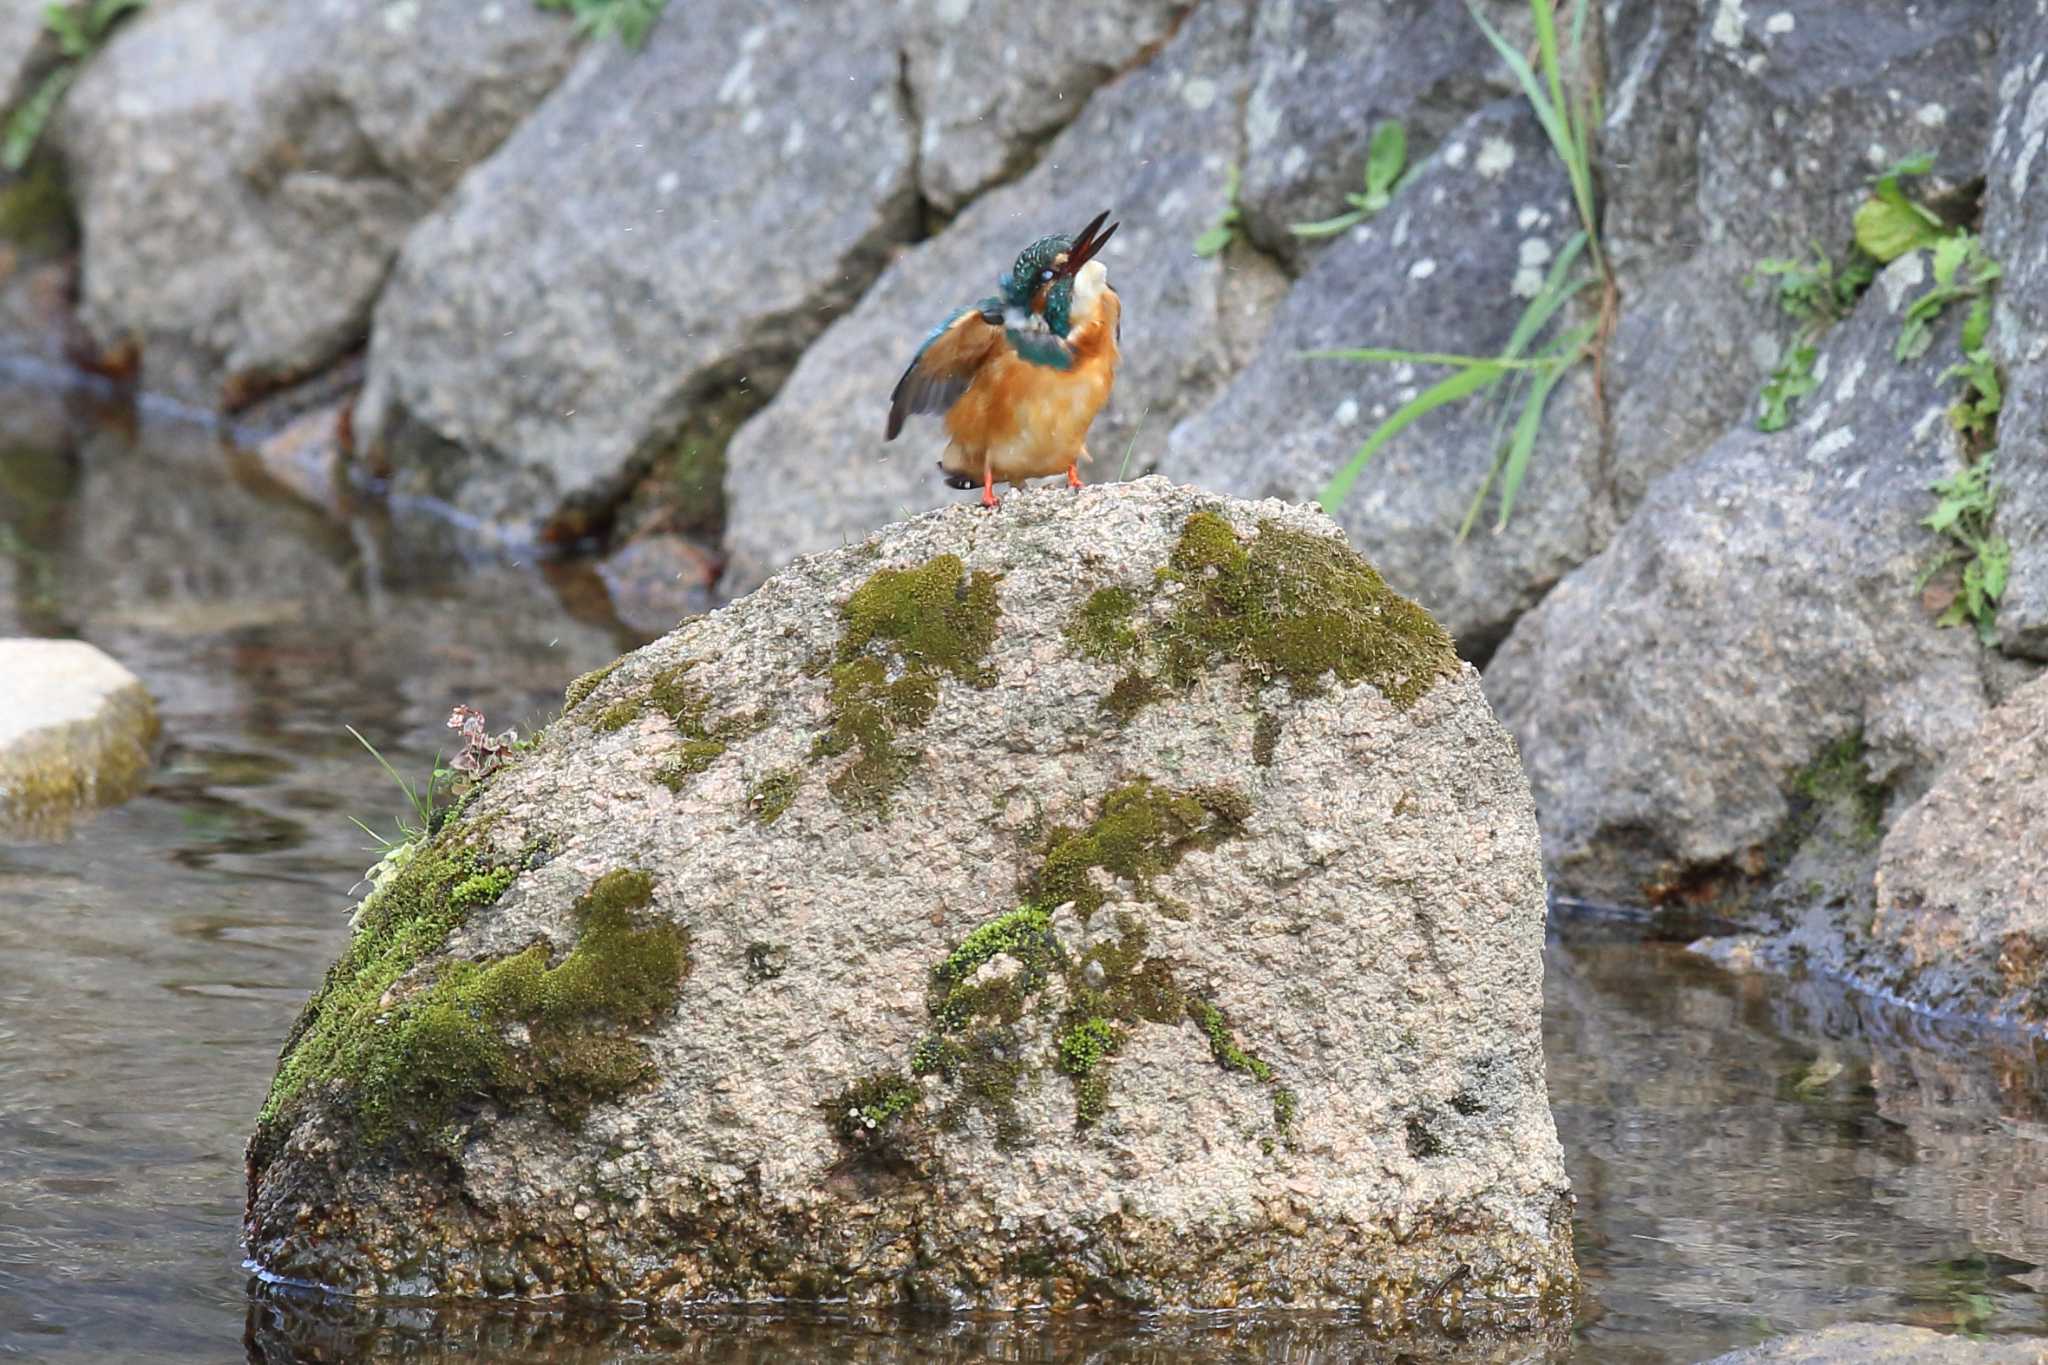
991 83
245 171
1447 267
1961 925
1753 650
1326 74
812 470
685 220
1734 135
2016 232
1868 1344
75 730
1127 900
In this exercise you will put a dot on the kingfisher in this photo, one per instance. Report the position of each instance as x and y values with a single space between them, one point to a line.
1021 374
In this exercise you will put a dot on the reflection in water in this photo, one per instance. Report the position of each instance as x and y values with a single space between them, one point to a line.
287 1327
1750 1156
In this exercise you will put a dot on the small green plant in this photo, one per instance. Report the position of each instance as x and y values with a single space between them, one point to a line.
422 804
1962 270
1568 115
80 31
1975 414
1817 294
1384 162
1966 502
1814 290
1890 223
1791 381
629 20
1223 231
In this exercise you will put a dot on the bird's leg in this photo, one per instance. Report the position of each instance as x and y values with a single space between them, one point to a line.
1074 475
988 481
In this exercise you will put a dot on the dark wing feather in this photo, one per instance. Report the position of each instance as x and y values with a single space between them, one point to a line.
944 366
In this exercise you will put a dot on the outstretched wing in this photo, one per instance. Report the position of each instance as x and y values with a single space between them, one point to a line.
945 364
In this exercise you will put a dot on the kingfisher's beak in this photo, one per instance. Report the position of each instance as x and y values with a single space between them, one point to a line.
1089 242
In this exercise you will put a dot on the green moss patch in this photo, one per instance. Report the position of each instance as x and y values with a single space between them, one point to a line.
579 690
688 707
772 795
1143 830
905 631
1288 606
1839 777
1103 628
403 1061
864 1112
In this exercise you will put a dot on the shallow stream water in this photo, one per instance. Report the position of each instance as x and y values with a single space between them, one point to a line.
1751 1156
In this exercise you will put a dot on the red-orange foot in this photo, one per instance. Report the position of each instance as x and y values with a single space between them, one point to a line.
1073 476
988 488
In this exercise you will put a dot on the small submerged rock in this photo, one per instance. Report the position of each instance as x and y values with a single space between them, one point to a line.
1119 899
75 729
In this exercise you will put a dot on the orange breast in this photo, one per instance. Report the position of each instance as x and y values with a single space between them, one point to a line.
1031 420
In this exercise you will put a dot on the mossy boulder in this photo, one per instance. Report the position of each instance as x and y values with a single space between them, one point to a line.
845 944
75 732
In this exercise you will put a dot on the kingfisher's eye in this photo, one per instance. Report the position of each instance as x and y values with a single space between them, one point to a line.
1046 276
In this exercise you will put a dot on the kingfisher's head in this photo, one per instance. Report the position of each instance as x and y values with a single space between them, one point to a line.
1041 283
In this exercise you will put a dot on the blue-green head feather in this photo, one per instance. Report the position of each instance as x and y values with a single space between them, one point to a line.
1033 271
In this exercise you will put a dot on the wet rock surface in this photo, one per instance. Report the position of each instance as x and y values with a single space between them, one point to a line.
1122 900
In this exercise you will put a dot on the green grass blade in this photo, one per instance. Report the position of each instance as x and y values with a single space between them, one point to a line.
1518 389
1136 432
1552 296
411 793
1465 382
1328 227
1515 464
25 126
1393 357
1544 15
1546 113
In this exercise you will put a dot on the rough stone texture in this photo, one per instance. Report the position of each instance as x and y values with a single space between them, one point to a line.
1862 1344
812 470
2016 232
1438 269
686 218
1962 883
1673 695
1367 917
75 728
245 171
1738 134
992 82
1327 73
